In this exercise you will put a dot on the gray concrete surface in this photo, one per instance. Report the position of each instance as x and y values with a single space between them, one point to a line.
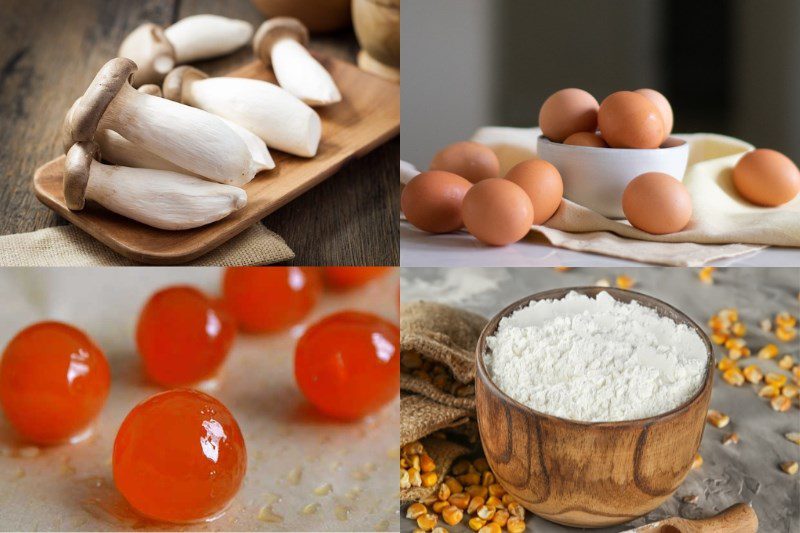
747 471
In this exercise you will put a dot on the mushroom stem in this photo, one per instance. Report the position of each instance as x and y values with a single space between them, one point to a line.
205 36
118 150
190 138
302 75
158 198
279 118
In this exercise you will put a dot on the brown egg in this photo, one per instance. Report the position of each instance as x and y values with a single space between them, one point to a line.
629 120
586 138
432 200
470 160
566 112
766 177
657 203
497 212
542 182
664 108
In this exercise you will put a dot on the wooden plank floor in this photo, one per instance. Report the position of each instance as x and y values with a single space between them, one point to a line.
50 51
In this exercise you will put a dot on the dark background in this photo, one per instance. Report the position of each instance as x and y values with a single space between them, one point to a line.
51 49
727 66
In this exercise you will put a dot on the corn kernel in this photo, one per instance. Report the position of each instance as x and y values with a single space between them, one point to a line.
481 464
781 403
494 501
477 490
734 354
790 391
413 448
719 338
690 498
491 527
444 492
706 275
786 334
717 419
734 343
429 479
739 329
461 467
487 478
474 504
414 477
475 523
426 463
602 282
725 363
773 378
790 467
500 517
515 525
729 315
753 374
770 351
439 529
785 320
453 484
405 481
439 506
731 438
471 478
766 325
460 500
452 515
496 489
733 376
507 499
793 437
427 521
485 511
697 462
625 282
415 510
786 362
515 509
769 391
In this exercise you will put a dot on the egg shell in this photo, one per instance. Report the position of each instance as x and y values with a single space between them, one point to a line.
766 177
657 203
630 120
431 201
586 138
663 106
541 181
566 112
470 160
497 212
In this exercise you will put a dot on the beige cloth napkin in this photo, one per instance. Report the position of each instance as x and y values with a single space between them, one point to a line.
723 225
70 246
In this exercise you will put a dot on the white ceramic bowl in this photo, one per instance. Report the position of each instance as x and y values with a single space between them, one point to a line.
596 177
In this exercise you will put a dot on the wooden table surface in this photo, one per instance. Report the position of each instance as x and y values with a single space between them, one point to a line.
50 51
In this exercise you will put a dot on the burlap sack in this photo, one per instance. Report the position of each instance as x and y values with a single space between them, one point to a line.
420 386
421 416
444 453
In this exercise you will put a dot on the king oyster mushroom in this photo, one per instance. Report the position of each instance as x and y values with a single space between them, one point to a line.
120 151
282 120
190 138
157 50
158 198
281 42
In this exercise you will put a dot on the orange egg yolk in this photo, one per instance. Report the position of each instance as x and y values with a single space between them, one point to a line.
183 336
265 299
349 277
54 381
348 364
179 457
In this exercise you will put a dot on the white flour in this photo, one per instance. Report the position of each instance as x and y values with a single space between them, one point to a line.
595 360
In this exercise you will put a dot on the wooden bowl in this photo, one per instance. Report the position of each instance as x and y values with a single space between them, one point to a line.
377 27
581 473
318 15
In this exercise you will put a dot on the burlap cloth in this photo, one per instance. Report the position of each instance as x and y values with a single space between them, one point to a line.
723 224
70 246
446 336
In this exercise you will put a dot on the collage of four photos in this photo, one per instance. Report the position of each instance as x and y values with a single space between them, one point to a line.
550 266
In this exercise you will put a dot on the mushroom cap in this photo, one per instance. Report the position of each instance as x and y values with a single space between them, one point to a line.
82 119
149 48
150 88
275 29
173 83
76 173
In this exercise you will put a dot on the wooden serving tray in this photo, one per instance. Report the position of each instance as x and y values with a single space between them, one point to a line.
367 116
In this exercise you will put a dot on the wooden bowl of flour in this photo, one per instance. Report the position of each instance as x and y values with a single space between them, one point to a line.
589 474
